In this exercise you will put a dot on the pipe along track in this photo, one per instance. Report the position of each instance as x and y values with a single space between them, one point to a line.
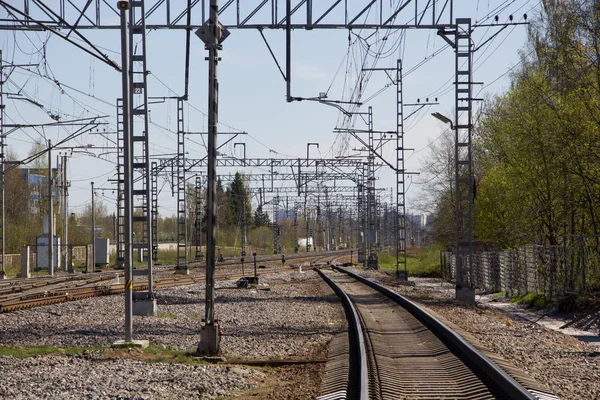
394 349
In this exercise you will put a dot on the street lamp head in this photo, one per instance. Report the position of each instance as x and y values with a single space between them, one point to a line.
443 118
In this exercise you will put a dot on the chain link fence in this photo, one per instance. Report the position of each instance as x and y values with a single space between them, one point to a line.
553 271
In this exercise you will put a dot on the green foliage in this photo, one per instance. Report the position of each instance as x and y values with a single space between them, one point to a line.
535 300
261 218
423 262
536 147
238 199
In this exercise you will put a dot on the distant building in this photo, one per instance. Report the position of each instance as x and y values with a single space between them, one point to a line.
37 185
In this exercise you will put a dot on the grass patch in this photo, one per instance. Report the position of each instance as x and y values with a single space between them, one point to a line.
422 262
532 300
163 315
33 351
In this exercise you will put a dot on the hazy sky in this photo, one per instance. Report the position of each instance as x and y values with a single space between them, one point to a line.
67 82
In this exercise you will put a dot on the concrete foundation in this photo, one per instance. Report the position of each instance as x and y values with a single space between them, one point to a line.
402 275
3 275
465 294
182 271
210 340
25 267
142 344
144 307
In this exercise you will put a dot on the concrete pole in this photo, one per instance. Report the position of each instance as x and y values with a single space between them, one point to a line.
127 160
50 213
93 231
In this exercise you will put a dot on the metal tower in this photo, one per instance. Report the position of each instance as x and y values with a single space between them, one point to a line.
139 135
276 229
400 220
198 219
120 262
463 159
154 201
182 267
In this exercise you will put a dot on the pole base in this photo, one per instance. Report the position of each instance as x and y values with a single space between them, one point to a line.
465 294
3 275
402 275
182 271
210 340
134 343
144 307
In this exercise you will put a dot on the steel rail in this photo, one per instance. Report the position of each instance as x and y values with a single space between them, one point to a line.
358 351
453 340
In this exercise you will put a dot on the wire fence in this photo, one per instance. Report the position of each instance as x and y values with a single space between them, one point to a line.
553 271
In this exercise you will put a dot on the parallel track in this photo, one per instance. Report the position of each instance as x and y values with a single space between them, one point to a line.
19 294
397 350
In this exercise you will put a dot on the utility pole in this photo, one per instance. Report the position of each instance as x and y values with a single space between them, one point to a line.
212 34
93 231
50 212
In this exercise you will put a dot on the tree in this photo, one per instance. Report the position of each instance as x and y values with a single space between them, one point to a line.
238 201
261 218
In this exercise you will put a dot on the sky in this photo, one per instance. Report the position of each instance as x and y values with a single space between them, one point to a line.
70 83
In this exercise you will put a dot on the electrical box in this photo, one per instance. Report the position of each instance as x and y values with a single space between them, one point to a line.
102 251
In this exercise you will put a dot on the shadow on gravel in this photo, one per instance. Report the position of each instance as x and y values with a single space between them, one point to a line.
260 331
301 299
179 300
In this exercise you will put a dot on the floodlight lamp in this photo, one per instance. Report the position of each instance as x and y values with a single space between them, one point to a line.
443 118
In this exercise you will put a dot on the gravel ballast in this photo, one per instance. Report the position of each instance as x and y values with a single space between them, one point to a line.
289 316
567 366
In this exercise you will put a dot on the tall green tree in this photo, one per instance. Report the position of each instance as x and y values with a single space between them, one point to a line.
238 199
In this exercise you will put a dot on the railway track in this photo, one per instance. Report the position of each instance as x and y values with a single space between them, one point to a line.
19 294
396 350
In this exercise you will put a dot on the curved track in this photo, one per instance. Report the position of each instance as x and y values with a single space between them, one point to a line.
398 350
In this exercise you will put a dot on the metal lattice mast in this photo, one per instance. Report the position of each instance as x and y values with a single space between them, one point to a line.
154 199
361 218
198 219
371 206
244 221
295 227
182 238
463 157
139 133
328 220
276 228
2 177
318 230
120 262
306 220
400 220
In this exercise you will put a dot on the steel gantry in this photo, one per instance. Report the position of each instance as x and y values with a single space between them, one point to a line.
212 29
239 14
